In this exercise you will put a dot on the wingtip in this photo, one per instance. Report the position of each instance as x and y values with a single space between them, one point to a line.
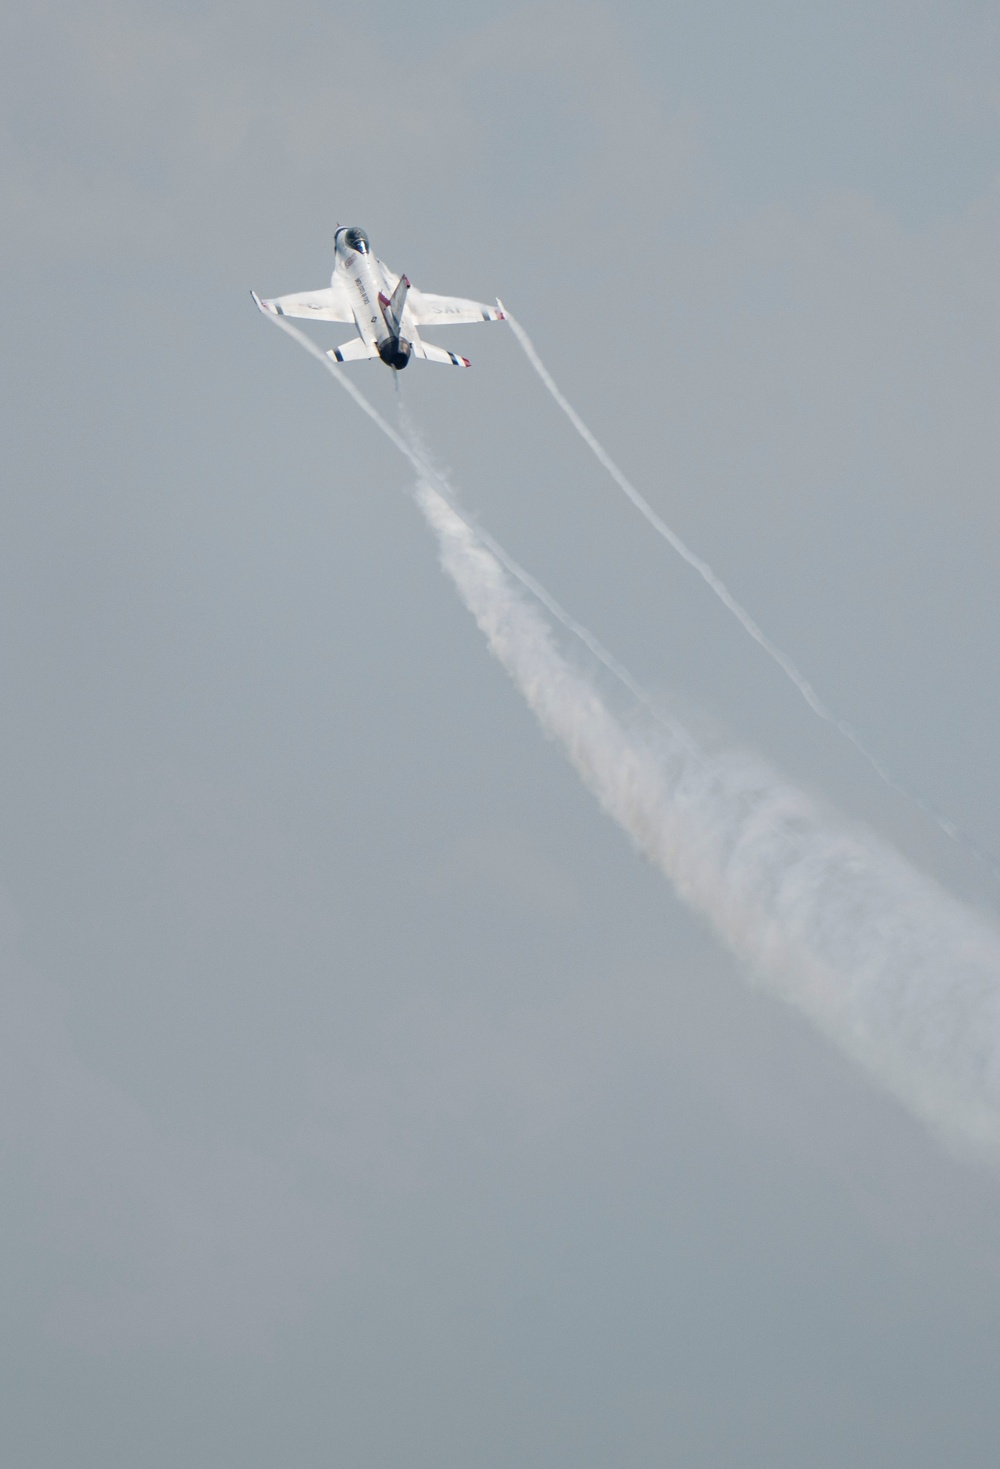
502 311
258 302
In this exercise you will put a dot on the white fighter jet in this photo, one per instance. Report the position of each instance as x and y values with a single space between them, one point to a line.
385 309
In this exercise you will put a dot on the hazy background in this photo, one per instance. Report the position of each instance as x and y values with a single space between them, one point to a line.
363 1098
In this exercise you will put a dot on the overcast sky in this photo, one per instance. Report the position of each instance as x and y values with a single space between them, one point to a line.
364 1098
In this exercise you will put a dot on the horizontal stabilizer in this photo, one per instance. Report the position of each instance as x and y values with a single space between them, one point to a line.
438 354
355 350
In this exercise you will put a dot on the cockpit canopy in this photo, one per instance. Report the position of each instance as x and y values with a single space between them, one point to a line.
356 239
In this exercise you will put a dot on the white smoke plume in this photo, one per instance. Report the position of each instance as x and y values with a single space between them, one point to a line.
890 967
899 974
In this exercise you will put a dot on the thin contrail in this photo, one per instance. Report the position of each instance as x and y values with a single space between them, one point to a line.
830 919
787 665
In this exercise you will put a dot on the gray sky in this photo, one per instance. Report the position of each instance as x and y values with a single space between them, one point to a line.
364 1099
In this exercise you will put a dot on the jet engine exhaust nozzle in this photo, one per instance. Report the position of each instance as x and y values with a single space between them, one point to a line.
395 352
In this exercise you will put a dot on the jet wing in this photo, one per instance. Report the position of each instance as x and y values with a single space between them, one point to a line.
330 303
427 310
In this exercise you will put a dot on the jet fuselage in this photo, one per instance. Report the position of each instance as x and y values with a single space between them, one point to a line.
370 294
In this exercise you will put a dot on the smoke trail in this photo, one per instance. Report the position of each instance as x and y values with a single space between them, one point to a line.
412 448
900 975
950 828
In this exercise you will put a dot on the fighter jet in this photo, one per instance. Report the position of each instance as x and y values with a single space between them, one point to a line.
385 309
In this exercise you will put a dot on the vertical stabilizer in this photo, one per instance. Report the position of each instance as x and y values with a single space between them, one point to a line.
392 309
